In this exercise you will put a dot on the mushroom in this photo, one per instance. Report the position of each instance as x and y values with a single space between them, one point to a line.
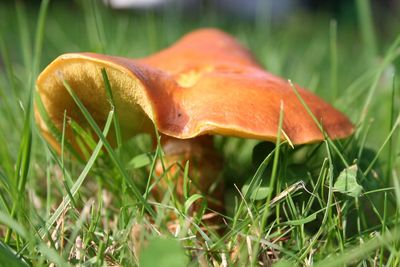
205 84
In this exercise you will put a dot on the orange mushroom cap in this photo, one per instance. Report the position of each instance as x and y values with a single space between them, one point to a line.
206 83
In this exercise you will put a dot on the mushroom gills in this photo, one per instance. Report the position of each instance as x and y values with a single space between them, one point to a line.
85 78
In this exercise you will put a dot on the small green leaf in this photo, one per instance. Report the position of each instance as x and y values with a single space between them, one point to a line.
302 221
141 160
347 184
189 202
186 180
163 252
258 193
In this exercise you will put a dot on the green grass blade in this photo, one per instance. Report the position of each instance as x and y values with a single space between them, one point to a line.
53 129
391 54
391 149
52 255
387 140
12 224
78 182
23 164
271 185
366 23
334 59
134 190
24 34
9 258
39 36
24 155
109 93
359 252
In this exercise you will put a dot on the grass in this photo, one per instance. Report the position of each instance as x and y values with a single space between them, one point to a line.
62 210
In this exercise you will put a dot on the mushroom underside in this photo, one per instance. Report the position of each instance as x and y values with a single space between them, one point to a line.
85 78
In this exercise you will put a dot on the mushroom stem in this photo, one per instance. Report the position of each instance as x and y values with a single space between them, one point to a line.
205 167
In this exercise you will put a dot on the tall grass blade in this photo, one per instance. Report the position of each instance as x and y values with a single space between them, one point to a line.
24 155
271 186
391 149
